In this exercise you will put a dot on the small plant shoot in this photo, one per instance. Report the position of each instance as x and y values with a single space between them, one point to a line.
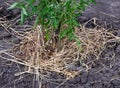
58 16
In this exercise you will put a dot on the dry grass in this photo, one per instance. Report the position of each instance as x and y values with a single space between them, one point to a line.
42 58
46 57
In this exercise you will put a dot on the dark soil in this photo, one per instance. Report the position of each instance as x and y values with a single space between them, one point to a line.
104 73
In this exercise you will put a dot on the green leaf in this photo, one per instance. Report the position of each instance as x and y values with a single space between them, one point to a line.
45 11
22 17
36 22
47 36
71 36
77 41
63 33
92 1
75 22
49 13
24 11
55 24
13 5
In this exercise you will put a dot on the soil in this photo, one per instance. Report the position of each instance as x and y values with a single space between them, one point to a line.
105 72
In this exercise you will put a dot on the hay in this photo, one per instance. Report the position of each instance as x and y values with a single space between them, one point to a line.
45 56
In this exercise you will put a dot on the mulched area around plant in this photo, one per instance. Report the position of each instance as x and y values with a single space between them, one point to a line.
103 73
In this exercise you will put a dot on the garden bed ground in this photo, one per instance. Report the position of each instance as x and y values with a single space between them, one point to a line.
104 73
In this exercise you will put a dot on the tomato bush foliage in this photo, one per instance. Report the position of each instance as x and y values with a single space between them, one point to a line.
53 14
